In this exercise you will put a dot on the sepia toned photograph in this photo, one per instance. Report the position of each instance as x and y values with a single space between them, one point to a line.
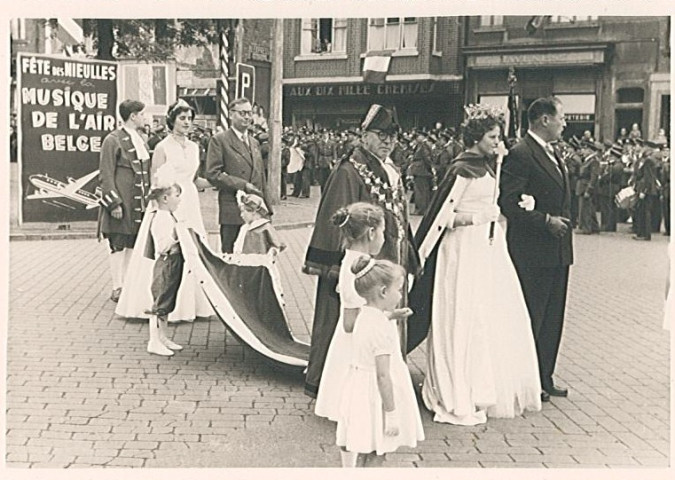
294 241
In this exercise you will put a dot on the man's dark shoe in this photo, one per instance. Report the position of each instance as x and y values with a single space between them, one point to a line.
554 391
637 237
115 295
545 397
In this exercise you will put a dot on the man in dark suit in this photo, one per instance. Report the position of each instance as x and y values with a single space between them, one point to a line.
234 162
540 241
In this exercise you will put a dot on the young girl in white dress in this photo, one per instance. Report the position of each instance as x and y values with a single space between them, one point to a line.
362 229
378 407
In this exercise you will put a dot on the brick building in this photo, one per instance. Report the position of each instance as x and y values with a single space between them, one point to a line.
610 72
323 62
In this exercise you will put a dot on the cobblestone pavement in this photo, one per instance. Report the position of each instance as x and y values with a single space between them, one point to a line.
83 392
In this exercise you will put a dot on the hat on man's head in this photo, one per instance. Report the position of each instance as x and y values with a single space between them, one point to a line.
616 150
380 118
654 144
597 146
575 142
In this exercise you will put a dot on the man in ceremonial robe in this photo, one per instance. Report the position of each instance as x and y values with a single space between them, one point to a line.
367 175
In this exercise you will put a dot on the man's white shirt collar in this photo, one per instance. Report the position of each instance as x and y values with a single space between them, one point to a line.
137 141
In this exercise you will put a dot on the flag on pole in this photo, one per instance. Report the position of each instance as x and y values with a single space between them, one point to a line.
536 22
513 127
376 66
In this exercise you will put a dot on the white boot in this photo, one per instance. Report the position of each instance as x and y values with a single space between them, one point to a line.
164 339
348 459
117 268
155 344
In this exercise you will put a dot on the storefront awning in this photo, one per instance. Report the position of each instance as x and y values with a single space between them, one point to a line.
196 92
535 56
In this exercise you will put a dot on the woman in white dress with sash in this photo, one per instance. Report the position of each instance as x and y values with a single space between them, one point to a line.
481 357
183 155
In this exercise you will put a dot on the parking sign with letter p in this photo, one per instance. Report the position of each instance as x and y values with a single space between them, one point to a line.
246 81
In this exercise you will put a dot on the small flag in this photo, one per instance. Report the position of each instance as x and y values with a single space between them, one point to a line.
376 66
536 22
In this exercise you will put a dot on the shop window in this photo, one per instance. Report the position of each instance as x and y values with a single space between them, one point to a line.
324 35
491 21
574 19
397 33
436 40
630 95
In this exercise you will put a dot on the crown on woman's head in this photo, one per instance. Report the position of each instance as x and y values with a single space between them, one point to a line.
180 104
480 111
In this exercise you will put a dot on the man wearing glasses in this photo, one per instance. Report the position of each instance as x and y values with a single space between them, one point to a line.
367 175
234 162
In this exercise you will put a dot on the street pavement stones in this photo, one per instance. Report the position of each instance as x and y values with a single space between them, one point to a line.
83 392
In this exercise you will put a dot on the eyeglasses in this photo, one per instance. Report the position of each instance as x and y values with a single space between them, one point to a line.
244 113
384 136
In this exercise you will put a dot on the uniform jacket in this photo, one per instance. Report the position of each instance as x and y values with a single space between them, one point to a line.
588 176
646 176
327 153
422 161
528 169
610 178
125 181
230 165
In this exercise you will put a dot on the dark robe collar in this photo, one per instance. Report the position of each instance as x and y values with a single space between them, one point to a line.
471 165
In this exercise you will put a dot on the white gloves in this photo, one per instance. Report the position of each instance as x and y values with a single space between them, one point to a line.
487 215
391 424
527 202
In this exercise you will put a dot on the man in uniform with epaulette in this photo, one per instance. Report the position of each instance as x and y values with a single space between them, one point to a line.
421 170
327 152
609 184
124 166
587 185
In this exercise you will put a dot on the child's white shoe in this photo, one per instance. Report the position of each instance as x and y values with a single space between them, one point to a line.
169 344
164 339
158 348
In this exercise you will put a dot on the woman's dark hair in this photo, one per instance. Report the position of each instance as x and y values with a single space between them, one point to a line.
176 109
354 220
473 129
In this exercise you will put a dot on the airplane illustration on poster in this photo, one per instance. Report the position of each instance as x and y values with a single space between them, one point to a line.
51 190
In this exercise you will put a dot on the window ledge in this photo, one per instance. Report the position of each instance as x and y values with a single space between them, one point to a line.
400 53
487 29
570 25
308 57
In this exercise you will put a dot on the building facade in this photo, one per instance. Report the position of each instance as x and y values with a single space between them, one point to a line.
198 69
610 72
323 84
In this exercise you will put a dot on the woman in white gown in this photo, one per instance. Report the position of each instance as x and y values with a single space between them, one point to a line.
183 155
481 357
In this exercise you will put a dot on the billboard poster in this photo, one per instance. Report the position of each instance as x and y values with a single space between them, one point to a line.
66 108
